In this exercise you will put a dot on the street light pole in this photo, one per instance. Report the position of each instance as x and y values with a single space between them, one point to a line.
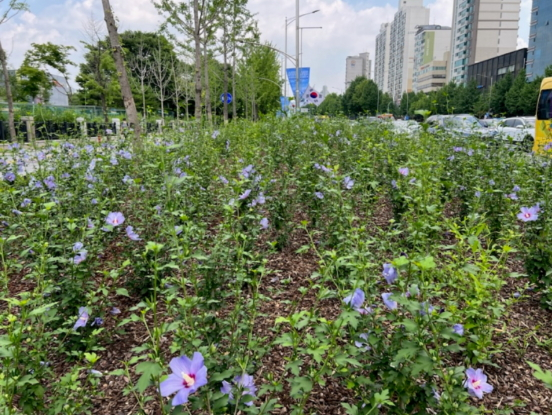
287 23
296 55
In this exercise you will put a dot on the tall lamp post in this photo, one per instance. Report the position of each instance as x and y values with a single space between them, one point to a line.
288 22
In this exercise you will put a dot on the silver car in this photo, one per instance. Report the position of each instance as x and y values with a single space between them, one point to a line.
461 125
518 130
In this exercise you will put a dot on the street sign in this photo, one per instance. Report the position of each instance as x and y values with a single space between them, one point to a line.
226 97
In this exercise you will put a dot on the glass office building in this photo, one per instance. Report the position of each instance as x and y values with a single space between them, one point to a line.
539 54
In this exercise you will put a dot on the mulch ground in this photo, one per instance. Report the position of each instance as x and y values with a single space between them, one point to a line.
524 334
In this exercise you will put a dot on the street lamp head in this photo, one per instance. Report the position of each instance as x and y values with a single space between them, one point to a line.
316 11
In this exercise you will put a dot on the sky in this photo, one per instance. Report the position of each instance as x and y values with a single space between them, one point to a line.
349 27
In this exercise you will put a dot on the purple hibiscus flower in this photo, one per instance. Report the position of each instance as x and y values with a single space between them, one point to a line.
26 202
82 319
348 183
319 195
9 176
131 234
244 383
529 214
391 305
187 377
245 194
404 171
115 219
355 300
458 329
363 344
476 383
264 223
80 257
389 273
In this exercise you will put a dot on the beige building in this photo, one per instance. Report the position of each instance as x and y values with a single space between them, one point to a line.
481 30
360 65
431 56
395 59
381 62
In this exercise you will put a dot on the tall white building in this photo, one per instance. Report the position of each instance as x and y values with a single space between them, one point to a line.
381 62
481 30
399 67
360 65
431 57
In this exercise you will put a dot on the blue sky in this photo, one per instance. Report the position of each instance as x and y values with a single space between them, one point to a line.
349 27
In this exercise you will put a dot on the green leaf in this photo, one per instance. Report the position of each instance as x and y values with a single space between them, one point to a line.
148 369
300 384
295 367
427 263
122 291
546 377
41 310
218 377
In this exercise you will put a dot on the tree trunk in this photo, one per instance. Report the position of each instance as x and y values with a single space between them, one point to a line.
9 96
234 115
207 90
128 99
143 96
104 108
197 44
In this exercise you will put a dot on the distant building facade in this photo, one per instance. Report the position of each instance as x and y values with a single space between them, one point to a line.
431 57
396 62
539 54
59 93
381 61
488 72
360 65
481 30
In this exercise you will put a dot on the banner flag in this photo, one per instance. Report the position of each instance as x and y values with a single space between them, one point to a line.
285 103
311 96
304 78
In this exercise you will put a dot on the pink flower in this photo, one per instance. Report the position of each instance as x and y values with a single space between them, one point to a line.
529 214
476 383
115 218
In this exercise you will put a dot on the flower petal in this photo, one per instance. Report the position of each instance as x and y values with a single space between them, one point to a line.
181 397
180 365
170 385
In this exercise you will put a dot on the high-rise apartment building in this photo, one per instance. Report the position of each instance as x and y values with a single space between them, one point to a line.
396 62
539 54
360 65
481 30
431 57
381 62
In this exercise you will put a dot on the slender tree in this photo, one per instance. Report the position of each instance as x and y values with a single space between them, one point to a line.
8 9
128 99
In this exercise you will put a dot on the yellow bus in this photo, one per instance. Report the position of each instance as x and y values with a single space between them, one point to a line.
543 129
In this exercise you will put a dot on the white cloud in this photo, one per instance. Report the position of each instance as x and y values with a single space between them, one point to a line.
347 29
521 43
345 32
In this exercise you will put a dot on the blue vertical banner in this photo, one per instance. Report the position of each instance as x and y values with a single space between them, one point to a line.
304 78
285 103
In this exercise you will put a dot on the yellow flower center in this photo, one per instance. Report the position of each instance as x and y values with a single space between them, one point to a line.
189 381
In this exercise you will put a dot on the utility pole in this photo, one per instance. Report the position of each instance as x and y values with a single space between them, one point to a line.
296 55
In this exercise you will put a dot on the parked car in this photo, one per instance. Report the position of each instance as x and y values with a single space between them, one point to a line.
460 125
520 130
408 127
